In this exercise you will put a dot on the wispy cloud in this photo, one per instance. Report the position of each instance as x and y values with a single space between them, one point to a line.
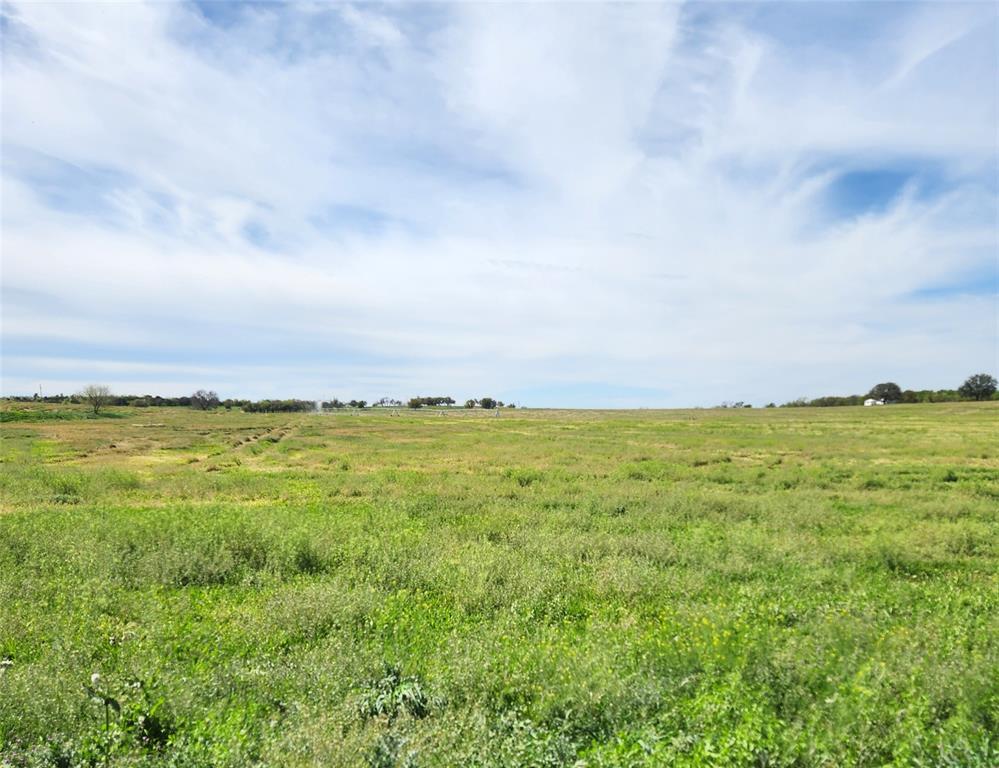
686 204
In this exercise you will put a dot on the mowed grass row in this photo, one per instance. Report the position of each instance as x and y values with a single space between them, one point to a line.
780 587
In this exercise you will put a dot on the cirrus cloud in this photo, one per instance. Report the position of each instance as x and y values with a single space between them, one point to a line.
570 205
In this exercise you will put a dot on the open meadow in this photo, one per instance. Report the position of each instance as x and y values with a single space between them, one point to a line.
797 586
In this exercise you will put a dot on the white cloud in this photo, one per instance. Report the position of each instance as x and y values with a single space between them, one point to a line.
372 27
500 198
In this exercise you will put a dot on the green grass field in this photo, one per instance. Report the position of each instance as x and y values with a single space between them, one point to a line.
810 587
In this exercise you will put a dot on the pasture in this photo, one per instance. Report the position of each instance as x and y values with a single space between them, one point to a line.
806 587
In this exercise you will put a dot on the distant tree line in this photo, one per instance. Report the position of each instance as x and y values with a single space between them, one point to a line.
336 404
981 386
434 402
279 406
98 396
136 401
488 403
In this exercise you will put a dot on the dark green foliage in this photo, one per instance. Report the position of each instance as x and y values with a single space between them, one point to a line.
931 396
393 694
832 401
981 386
889 392
432 402
280 406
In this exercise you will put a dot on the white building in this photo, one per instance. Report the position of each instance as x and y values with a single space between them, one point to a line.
871 401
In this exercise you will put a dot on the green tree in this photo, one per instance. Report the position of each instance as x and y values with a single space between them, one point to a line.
888 391
487 402
981 386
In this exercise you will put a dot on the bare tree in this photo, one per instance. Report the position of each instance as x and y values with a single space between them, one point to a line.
203 400
96 395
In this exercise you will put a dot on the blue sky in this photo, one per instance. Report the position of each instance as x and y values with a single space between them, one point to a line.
562 205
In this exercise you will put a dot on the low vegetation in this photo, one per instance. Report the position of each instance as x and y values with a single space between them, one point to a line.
740 587
981 386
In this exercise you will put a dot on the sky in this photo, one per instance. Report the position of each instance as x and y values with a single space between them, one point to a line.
578 205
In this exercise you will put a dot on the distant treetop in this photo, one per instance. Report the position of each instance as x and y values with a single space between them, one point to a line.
204 400
980 386
889 391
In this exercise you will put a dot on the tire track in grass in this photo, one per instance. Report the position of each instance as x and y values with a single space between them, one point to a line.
231 457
